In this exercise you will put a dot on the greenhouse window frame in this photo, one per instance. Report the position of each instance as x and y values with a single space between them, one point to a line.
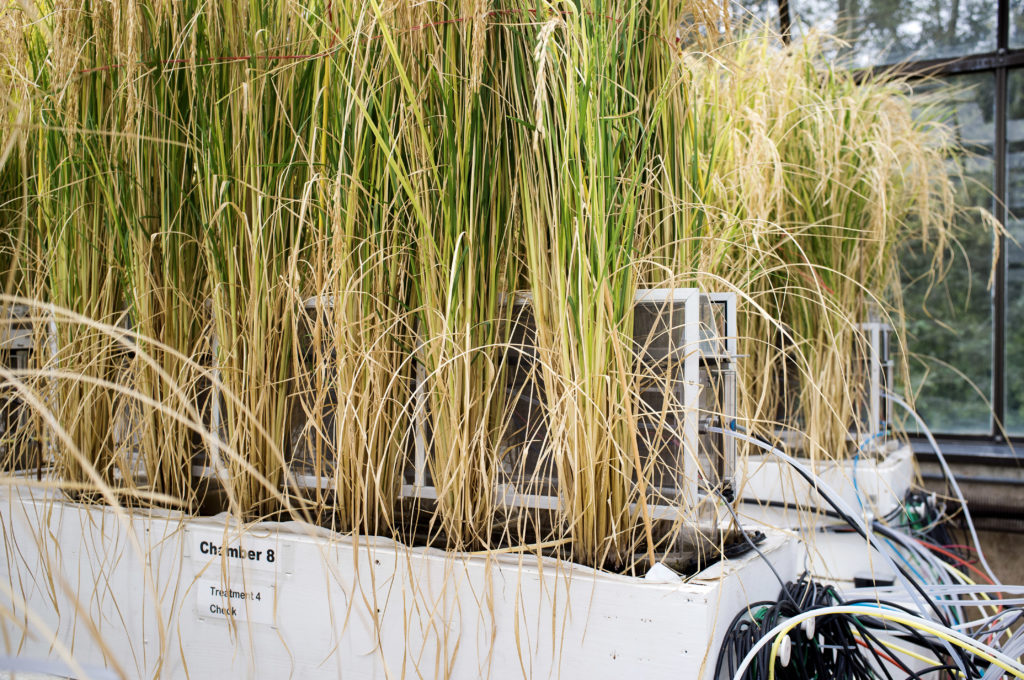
995 446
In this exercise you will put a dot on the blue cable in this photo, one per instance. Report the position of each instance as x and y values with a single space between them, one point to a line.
873 437
856 457
905 560
856 489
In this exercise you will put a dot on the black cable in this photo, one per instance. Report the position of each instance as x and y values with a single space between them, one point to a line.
918 675
907 633
810 479
789 506
833 653
736 519
730 633
873 643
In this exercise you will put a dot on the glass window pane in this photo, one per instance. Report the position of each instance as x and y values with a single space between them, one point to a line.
1015 254
1016 23
765 11
890 31
949 327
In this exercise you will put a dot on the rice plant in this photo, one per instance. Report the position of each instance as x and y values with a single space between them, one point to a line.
796 182
74 218
315 220
455 169
356 370
255 142
160 251
580 201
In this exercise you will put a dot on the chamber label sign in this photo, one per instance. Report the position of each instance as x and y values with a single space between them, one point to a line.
237 574
251 552
236 600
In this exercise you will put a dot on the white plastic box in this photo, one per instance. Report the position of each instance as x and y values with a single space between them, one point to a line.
773 494
150 594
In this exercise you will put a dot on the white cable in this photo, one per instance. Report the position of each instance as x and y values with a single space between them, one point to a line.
827 492
987 620
824 490
937 567
921 554
944 590
952 482
879 612
1013 648
975 589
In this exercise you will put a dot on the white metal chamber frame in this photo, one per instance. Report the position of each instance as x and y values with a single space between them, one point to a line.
701 342
696 334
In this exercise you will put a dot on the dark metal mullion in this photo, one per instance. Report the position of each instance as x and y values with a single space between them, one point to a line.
944 67
999 287
785 21
1003 26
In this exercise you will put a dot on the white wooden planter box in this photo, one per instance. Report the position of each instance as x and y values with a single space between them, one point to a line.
875 484
157 590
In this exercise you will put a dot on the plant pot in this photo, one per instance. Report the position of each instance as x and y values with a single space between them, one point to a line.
170 596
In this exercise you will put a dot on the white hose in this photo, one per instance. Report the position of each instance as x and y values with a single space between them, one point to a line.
952 483
825 491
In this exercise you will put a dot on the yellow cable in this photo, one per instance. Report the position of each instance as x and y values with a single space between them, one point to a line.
896 617
966 579
903 650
